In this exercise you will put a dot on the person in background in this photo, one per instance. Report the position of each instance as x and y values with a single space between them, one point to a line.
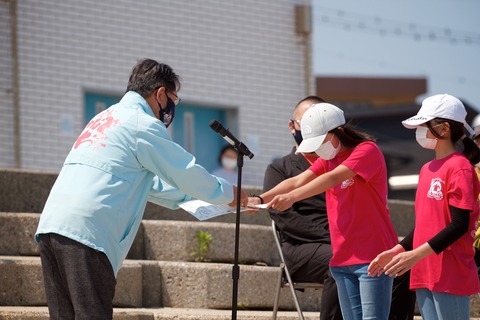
123 158
303 228
439 249
352 171
228 164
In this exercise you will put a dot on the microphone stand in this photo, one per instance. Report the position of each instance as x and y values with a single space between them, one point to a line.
236 268
242 150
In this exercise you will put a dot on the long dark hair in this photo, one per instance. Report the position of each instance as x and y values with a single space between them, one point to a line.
350 137
470 149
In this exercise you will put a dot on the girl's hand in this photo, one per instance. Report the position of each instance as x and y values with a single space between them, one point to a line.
404 261
401 263
281 202
254 200
376 266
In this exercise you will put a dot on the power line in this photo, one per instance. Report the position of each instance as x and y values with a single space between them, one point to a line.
349 21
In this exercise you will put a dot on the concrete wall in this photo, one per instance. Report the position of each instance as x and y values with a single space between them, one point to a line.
242 55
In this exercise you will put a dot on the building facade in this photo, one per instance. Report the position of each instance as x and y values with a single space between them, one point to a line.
241 62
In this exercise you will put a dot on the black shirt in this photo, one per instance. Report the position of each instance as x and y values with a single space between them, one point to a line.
306 220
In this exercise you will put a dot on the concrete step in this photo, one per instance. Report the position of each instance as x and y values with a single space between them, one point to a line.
142 283
176 241
159 273
27 191
153 284
159 240
41 313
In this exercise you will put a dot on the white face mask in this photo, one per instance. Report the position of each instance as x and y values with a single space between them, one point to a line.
327 151
229 163
421 136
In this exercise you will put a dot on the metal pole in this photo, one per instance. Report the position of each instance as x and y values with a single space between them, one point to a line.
303 27
15 83
236 268
307 64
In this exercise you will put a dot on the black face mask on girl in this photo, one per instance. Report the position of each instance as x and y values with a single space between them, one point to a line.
166 115
298 136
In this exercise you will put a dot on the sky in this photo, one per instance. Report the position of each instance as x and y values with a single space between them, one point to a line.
435 39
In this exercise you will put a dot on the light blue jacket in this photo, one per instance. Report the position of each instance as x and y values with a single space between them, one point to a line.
123 158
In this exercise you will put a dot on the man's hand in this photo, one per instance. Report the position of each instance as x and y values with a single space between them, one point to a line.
243 199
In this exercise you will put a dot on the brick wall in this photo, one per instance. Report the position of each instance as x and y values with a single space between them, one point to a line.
236 54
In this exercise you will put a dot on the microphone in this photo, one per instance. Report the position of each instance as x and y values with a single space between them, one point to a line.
230 138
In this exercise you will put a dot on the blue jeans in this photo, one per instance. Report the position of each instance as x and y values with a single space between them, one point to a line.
442 305
362 296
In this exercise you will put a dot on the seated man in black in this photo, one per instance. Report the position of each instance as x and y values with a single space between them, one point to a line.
305 233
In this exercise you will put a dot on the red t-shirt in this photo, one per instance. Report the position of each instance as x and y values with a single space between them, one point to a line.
358 215
448 181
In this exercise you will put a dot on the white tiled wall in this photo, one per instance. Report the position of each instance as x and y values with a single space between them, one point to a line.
242 54
7 155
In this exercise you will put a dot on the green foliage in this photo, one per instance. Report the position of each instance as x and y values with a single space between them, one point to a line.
204 239
242 306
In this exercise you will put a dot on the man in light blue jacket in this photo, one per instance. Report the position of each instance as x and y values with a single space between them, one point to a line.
123 158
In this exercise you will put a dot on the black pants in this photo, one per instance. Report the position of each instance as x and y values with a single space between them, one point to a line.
403 299
79 281
308 262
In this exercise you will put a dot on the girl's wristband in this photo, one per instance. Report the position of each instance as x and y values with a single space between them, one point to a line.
261 199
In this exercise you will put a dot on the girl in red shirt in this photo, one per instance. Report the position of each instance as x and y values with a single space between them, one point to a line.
439 251
351 170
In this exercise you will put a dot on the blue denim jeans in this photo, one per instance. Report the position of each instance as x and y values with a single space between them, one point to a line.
362 296
442 305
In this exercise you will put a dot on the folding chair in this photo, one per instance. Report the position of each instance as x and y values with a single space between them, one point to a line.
285 280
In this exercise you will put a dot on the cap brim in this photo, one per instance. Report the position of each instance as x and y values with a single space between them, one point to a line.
311 144
415 121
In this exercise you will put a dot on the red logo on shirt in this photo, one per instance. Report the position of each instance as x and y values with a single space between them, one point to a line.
94 132
435 191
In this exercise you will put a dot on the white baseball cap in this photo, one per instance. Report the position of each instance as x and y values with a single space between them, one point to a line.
439 106
316 122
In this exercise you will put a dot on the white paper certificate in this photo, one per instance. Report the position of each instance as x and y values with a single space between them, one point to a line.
203 210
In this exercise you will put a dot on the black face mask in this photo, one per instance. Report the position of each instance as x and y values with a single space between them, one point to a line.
166 115
297 136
